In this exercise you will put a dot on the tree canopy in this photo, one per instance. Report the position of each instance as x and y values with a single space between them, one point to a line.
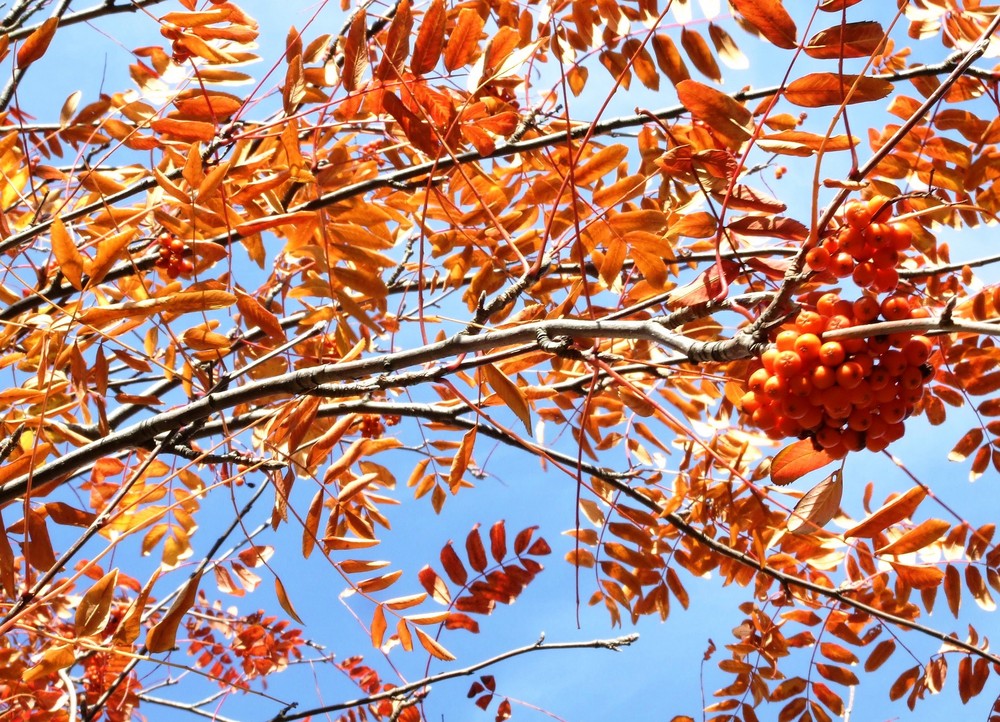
268 293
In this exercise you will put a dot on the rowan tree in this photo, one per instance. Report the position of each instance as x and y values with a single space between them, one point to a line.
267 292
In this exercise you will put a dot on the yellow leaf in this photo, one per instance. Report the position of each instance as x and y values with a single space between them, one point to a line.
67 254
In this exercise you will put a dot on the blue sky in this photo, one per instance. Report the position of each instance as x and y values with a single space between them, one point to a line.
659 676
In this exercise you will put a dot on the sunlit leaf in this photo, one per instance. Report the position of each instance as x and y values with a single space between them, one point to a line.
818 506
796 460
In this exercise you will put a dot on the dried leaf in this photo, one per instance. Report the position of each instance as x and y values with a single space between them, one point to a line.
435 648
818 506
430 38
717 110
162 637
94 609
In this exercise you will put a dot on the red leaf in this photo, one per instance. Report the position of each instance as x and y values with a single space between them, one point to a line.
464 40
475 549
37 43
717 110
453 566
797 460
705 287
539 548
498 541
523 539
819 89
430 39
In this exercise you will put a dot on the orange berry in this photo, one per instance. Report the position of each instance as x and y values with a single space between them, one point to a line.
831 353
877 426
912 378
812 418
823 377
878 378
852 439
849 375
807 346
838 451
788 426
750 402
879 344
886 394
768 358
878 235
859 420
875 443
841 265
917 350
785 340
892 412
825 304
857 214
800 385
893 361
885 257
902 236
764 417
852 241
864 274
866 309
809 322
880 208
757 380
828 437
834 323
818 258
896 308
794 407
895 431
776 388
788 364
886 280
861 396
865 360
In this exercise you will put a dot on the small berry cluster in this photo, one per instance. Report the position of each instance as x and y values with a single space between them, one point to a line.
174 255
373 425
846 395
867 247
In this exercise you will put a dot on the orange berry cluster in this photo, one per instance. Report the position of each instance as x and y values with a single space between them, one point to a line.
173 255
848 394
373 425
866 248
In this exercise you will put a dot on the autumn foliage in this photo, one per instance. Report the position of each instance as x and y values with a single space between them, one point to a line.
267 292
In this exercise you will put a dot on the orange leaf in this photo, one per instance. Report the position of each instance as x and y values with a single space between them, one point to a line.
797 460
378 626
434 585
94 609
377 584
284 601
464 40
920 536
403 632
966 445
461 461
819 89
163 635
705 287
256 315
848 40
67 255
37 43
883 650
53 659
109 251
433 646
183 302
453 565
510 393
787 229
475 549
430 39
818 506
770 19
717 110
355 52
600 164
697 49
890 513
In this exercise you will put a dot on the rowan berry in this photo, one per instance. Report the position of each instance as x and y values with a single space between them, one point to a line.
807 346
859 420
794 407
902 236
893 361
885 257
809 322
831 353
896 308
828 437
878 235
857 214
841 265
892 412
917 350
750 402
886 280
788 364
849 375
911 378
818 258
767 359
852 439
757 380
866 309
880 208
785 340
800 385
825 304
864 274
852 241
776 388
823 377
